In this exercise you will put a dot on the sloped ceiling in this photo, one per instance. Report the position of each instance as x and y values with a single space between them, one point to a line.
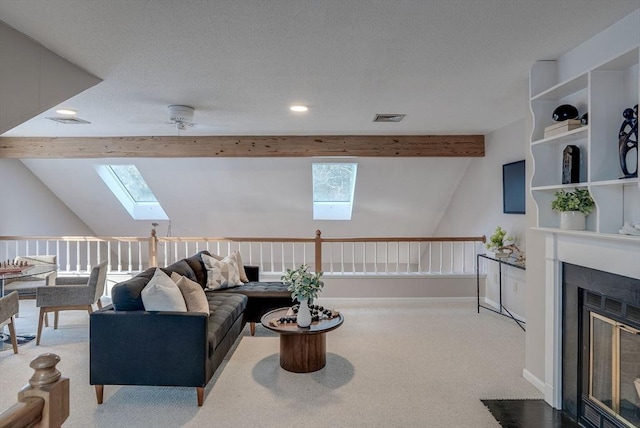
453 67
259 197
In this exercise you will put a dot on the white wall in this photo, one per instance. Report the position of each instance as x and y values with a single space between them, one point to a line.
476 206
31 208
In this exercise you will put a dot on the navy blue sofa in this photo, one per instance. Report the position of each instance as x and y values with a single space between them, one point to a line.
131 346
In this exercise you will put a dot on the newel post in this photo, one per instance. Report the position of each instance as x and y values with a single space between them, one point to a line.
153 249
318 251
47 383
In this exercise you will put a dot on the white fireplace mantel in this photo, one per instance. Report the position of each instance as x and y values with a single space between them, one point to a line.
618 254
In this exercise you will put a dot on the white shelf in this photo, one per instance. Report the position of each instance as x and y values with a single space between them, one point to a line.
564 89
620 182
565 138
603 91
560 186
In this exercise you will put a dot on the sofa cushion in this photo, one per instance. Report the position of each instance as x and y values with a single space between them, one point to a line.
125 295
162 294
221 273
262 289
236 257
182 268
197 265
224 309
192 292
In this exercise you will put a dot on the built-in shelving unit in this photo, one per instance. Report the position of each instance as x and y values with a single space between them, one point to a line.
603 92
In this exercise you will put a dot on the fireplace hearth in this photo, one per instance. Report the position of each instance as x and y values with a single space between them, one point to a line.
600 348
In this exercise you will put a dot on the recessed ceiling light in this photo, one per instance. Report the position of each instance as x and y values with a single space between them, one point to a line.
67 111
299 108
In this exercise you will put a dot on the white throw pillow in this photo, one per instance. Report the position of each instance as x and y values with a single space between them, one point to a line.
193 294
162 294
221 273
238 259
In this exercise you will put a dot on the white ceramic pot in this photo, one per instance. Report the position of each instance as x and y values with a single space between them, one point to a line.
304 314
572 220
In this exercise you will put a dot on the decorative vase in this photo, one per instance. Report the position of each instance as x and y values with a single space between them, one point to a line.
304 315
572 220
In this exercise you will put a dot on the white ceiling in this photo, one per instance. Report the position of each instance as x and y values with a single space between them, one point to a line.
452 66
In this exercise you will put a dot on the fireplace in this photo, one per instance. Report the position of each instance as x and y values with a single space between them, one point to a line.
600 347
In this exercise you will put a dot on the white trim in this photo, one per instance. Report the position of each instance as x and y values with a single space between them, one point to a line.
496 306
533 380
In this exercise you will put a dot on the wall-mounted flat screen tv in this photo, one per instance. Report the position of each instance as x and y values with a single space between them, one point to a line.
513 188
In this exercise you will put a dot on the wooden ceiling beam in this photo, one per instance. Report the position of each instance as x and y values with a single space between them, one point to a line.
244 146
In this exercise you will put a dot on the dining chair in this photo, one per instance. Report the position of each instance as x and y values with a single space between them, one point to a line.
71 297
8 308
26 286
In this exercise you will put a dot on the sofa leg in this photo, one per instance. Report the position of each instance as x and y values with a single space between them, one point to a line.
200 392
252 328
99 393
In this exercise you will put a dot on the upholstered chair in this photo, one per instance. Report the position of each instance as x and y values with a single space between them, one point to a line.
26 286
71 297
8 308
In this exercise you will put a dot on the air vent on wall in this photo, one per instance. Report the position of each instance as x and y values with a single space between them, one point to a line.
69 120
388 117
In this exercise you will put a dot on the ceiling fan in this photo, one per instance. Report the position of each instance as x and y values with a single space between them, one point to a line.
181 116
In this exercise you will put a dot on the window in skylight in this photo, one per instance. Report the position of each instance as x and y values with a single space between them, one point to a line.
127 184
333 189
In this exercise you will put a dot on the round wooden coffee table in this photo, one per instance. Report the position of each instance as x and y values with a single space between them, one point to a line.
302 350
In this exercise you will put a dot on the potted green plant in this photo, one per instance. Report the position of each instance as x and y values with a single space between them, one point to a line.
573 207
498 241
304 286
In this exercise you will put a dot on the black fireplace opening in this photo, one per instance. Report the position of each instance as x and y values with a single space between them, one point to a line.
600 348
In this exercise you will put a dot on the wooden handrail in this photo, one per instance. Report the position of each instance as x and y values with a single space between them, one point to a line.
44 400
23 414
412 239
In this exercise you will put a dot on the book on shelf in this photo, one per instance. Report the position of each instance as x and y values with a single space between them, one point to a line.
561 127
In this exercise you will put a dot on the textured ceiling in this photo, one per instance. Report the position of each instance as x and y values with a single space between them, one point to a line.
452 66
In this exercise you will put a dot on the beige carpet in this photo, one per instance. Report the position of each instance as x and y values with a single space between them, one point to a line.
394 363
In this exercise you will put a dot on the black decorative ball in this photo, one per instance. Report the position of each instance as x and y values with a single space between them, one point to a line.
565 112
584 120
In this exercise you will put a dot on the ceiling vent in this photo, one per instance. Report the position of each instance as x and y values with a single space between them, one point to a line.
69 120
181 116
388 117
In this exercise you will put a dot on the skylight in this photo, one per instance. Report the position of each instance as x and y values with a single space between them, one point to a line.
333 189
127 184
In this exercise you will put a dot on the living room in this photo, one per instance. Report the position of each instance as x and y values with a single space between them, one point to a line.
405 196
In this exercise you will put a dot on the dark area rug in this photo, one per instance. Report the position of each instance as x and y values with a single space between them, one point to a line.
5 339
528 414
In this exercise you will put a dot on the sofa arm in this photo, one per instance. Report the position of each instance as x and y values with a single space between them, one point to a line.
148 348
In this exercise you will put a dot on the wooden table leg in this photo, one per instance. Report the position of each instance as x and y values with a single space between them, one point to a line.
303 353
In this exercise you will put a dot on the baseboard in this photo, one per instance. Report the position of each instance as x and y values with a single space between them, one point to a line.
426 299
533 380
495 305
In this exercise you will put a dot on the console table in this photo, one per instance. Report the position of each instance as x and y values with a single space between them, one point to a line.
502 310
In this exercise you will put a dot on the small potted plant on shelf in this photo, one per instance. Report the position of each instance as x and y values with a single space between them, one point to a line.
573 207
498 242
304 287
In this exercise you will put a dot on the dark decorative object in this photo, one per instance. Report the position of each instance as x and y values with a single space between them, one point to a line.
571 165
584 120
628 140
565 112
513 188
